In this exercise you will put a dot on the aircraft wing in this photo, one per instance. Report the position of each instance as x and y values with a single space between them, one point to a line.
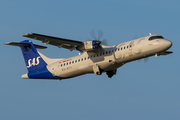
59 42
166 53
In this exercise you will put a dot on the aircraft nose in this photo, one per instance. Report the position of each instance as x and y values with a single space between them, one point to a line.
168 43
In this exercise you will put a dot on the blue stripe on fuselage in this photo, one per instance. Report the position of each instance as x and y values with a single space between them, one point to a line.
42 74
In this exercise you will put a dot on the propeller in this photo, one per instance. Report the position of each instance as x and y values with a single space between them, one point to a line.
145 60
104 42
100 34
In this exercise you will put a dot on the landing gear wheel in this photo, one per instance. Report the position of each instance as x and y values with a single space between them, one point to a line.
98 73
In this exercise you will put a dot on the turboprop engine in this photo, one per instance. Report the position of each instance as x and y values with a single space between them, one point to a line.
91 45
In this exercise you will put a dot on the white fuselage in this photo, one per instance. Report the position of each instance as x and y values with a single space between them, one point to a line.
109 57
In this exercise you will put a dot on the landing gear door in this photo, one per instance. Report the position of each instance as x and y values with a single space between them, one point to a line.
96 70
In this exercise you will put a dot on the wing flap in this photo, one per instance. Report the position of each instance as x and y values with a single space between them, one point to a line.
59 42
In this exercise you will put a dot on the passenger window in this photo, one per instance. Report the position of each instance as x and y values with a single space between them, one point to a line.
130 45
103 53
82 59
75 61
124 47
109 51
106 52
97 55
118 49
127 46
72 62
121 48
64 64
100 54
69 62
94 55
88 57
112 50
79 60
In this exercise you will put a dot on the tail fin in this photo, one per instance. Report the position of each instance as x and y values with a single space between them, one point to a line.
36 64
32 58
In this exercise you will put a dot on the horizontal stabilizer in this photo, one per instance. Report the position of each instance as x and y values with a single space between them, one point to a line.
24 44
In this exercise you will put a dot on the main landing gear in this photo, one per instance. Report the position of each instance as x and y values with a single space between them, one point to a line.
111 73
98 71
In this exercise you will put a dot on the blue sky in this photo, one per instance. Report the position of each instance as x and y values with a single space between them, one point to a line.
139 90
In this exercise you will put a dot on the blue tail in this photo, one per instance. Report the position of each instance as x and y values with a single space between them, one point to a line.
32 58
35 64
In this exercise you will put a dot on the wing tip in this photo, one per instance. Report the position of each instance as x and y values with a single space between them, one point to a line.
27 34
7 43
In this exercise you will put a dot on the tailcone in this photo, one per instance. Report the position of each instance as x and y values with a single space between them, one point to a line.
25 76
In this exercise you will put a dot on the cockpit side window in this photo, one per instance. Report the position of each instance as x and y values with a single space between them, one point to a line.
156 37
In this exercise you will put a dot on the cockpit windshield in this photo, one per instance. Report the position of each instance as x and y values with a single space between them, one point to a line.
156 37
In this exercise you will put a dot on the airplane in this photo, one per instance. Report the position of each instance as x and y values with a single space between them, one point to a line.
96 58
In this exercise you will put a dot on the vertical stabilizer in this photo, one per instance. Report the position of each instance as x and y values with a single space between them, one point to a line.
32 58
36 63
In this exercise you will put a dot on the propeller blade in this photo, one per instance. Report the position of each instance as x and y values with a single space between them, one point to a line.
100 34
92 32
104 42
135 37
146 60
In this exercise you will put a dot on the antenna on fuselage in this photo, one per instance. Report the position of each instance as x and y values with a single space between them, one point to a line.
149 33
79 53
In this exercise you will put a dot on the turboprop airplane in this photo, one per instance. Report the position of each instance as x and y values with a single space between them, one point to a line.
96 58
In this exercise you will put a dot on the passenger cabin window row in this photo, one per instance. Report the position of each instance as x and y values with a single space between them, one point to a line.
101 54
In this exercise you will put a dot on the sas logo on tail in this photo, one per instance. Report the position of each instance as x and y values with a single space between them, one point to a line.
33 62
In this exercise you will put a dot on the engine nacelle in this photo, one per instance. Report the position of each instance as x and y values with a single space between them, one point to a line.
91 45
